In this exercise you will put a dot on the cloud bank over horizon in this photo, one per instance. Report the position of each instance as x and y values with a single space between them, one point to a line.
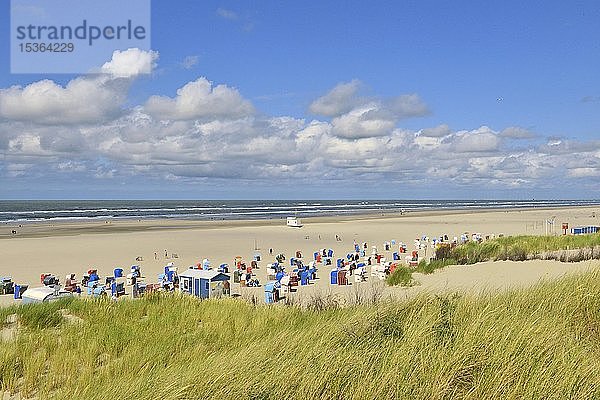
87 130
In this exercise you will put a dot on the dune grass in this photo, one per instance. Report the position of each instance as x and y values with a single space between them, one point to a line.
547 243
430 267
523 247
402 276
542 342
567 248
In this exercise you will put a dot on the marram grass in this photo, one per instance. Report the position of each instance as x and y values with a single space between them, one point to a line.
566 248
519 248
542 342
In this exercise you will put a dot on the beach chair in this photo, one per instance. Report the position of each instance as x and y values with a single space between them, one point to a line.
304 278
6 285
374 270
358 277
285 284
19 289
342 277
224 268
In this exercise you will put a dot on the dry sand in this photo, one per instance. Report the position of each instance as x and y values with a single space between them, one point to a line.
66 248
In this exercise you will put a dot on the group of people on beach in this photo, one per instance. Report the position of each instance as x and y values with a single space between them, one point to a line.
173 255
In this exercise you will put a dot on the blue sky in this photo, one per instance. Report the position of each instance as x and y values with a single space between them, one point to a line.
430 99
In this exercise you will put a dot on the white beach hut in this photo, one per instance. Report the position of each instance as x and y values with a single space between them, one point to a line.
44 294
294 222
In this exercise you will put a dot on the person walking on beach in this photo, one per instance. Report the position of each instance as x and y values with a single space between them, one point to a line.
166 254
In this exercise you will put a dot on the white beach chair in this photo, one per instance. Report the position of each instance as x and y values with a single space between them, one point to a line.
285 284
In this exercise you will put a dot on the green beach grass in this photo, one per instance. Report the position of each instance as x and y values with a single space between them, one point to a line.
542 342
566 248
519 248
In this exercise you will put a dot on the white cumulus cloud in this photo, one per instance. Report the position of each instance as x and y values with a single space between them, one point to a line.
80 101
339 100
200 99
362 123
84 100
130 63
357 116
208 133
480 140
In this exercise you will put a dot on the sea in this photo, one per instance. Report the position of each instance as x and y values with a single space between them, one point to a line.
35 211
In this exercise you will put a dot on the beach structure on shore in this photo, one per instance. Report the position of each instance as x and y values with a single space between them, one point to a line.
294 222
19 290
272 289
117 283
338 276
582 230
96 289
6 285
224 268
44 294
169 279
203 284
71 284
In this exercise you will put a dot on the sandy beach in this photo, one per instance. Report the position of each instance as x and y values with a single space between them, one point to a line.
74 248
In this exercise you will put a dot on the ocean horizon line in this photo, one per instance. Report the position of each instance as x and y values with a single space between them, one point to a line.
20 211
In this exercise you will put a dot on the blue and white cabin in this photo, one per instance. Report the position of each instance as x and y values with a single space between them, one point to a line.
202 283
582 230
